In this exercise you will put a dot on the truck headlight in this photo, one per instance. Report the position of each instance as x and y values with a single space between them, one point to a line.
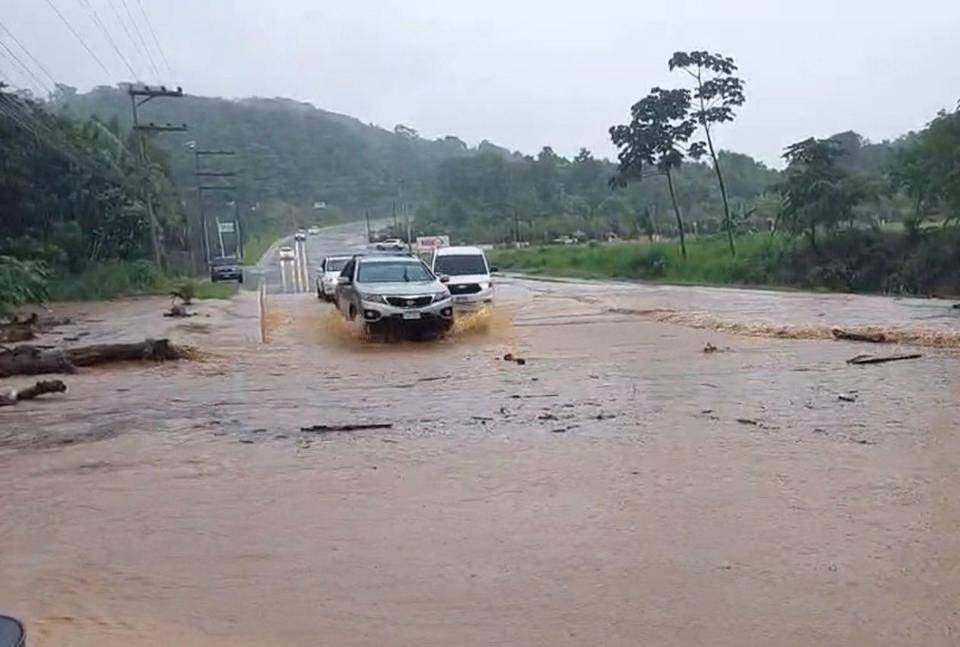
377 298
441 296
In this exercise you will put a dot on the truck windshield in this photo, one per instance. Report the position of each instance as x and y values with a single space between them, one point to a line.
460 264
393 272
335 264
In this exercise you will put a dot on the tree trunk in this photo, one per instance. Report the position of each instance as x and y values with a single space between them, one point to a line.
13 396
157 350
676 210
34 360
723 190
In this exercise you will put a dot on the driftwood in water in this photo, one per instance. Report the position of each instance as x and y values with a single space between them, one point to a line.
18 330
34 360
868 359
157 350
178 311
325 429
872 337
13 396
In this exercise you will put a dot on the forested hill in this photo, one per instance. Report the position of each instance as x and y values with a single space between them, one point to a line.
293 155
286 150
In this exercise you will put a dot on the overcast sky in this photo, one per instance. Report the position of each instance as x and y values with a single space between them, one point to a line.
523 73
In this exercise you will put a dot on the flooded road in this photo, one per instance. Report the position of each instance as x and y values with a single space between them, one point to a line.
622 487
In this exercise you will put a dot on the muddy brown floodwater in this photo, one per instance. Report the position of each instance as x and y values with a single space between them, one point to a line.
621 488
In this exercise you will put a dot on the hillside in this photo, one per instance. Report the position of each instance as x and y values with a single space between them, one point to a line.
292 155
286 150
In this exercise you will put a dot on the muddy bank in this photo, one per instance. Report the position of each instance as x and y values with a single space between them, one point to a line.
620 487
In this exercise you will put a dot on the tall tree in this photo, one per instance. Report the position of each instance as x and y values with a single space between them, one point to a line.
717 91
928 169
817 193
657 131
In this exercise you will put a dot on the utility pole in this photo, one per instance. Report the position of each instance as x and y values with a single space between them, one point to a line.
366 215
201 187
147 93
516 228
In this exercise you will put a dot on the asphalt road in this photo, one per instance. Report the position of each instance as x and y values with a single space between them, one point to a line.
299 275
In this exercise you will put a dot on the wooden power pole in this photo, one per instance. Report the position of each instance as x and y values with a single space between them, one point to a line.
138 97
201 187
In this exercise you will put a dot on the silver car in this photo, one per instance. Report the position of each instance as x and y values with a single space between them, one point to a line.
394 290
327 275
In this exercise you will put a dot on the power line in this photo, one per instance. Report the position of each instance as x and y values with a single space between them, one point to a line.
126 30
96 19
143 41
79 37
32 57
156 40
24 67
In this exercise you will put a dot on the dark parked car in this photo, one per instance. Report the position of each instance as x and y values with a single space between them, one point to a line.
226 268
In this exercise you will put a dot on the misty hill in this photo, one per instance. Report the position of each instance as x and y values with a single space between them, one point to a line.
286 150
293 153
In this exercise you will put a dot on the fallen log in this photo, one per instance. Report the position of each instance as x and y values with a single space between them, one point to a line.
872 337
157 350
35 360
868 359
13 396
325 429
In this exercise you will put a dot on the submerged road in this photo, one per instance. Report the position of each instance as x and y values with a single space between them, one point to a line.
622 487
299 275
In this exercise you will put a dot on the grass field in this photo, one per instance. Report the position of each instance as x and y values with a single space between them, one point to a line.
708 262
118 279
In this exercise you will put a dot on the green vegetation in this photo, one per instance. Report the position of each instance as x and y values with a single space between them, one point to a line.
257 245
114 279
20 282
76 196
850 261
708 260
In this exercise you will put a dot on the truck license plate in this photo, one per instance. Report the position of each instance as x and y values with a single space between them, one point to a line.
411 315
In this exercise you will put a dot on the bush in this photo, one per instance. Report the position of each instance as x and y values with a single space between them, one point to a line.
109 280
20 282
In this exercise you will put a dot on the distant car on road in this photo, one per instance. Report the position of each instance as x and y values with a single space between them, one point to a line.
327 275
313 231
287 253
393 290
226 268
392 244
469 281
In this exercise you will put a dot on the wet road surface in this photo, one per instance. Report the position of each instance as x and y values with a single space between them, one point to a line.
622 487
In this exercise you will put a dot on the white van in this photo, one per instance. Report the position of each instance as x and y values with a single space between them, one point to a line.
469 282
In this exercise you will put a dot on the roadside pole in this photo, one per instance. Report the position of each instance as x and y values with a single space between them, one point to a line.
261 309
202 186
149 93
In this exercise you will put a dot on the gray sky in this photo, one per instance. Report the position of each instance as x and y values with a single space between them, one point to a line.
527 73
